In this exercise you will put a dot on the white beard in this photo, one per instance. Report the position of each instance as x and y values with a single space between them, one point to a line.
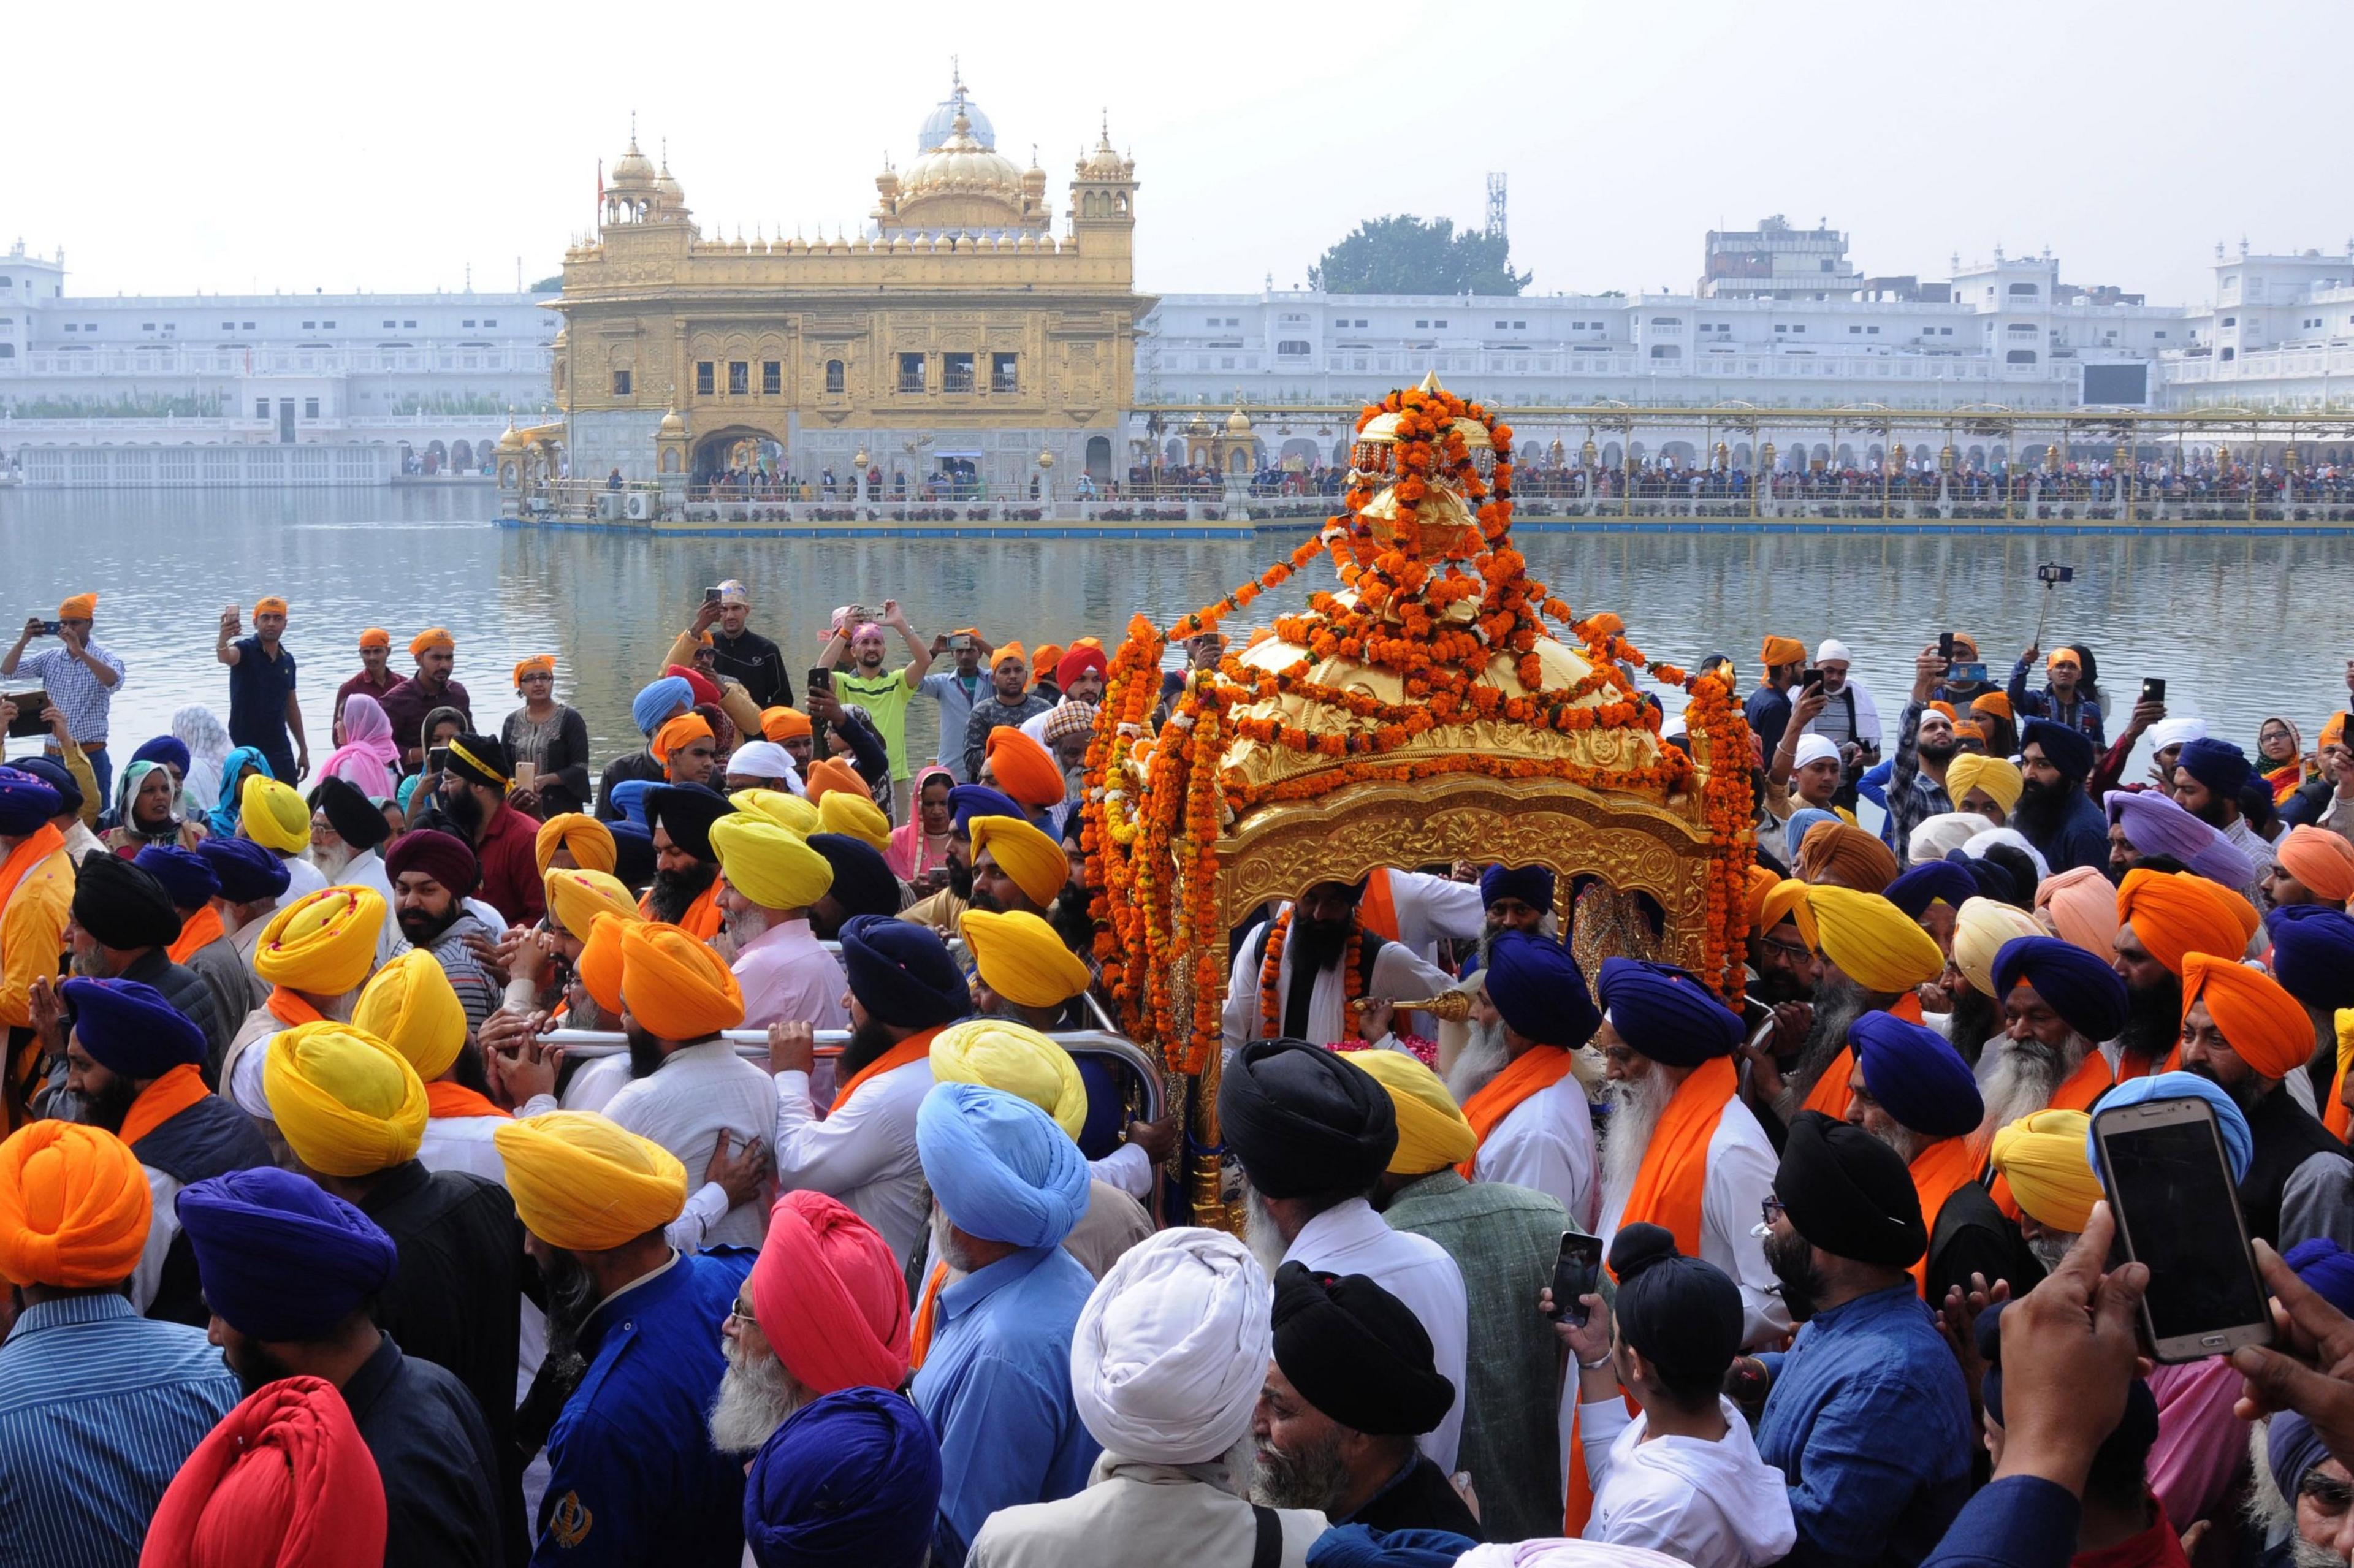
2050 1247
1260 1233
331 862
756 1397
2024 1078
1483 1057
747 926
1636 1106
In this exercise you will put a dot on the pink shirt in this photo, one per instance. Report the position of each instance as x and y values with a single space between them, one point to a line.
787 977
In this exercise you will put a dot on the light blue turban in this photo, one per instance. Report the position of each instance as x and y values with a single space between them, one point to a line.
999 1167
2239 1145
629 797
658 702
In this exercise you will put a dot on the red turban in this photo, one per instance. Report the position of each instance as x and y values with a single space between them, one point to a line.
1024 770
2176 914
706 691
1078 661
2264 1026
284 1481
830 1298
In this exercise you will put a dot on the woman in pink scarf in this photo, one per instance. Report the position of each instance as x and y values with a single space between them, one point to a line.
920 847
368 757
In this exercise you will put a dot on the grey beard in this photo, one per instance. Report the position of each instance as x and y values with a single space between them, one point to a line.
1260 1233
1317 1476
1907 1143
2304 1553
747 925
1838 1003
757 1395
1636 1106
946 1248
2050 1247
1483 1056
2024 1077
331 862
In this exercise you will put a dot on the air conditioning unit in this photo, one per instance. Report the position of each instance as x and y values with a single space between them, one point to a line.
641 507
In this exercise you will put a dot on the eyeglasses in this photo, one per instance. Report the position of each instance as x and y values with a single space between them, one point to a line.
1771 1210
738 1311
1789 952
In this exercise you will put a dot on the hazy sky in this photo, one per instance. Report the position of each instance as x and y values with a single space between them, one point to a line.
240 146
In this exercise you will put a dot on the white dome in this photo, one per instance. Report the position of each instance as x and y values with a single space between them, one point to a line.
941 122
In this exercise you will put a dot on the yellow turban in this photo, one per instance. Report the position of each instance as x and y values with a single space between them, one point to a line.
769 865
789 811
1432 1131
1036 863
1022 959
348 1103
674 985
590 842
410 1005
2042 1156
74 1207
599 964
857 816
999 1053
1873 940
582 1183
273 814
324 943
1981 925
1998 776
576 897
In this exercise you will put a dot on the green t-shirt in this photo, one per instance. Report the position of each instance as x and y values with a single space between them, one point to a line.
886 700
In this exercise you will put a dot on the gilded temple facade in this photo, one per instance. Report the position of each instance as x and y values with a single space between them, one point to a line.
958 336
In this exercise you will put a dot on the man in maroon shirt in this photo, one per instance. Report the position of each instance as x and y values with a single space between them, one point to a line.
376 677
408 702
474 798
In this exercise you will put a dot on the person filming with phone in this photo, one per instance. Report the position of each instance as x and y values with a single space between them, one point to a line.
2062 698
737 652
80 676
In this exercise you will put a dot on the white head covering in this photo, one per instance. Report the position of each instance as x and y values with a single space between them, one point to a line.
1172 1346
1936 836
1565 1554
765 759
1833 651
2175 731
1815 748
1976 849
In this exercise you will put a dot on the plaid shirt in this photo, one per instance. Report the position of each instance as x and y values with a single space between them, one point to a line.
73 690
1913 796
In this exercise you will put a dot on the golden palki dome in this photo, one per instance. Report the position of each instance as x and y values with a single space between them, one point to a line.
633 169
961 166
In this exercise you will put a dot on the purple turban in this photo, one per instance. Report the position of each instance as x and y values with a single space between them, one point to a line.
2219 764
1665 1014
129 1029
1928 881
2083 988
278 1258
1917 1078
187 875
25 802
1540 991
248 873
2313 954
851 1480
2155 825
970 801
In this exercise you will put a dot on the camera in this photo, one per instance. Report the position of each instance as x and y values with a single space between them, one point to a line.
2050 573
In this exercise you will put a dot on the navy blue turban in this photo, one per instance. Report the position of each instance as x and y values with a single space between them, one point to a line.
967 802
1531 885
187 875
248 873
851 1480
901 972
634 850
1362 1546
1928 881
2065 747
165 749
2293 1448
2313 954
25 802
1540 992
1302 1121
1682 1314
2219 764
1988 880
278 1259
2082 988
1917 1078
53 773
863 882
685 811
1665 1014
2326 1268
129 1029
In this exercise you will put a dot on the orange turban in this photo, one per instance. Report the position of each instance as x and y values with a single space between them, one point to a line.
1761 883
2319 859
674 986
1947 708
1024 770
1036 863
1045 658
1965 646
1991 703
429 640
74 1207
2064 656
375 637
683 730
2177 914
2267 1028
590 842
781 724
538 663
268 604
2333 732
599 964
1970 729
82 606
1008 651
1856 858
830 775
2083 908
1780 651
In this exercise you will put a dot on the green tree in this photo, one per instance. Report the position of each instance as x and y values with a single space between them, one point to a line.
552 284
1402 254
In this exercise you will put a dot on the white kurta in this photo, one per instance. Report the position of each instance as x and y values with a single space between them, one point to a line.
1741 1164
683 1105
463 1143
1712 1505
366 870
1546 1143
1432 907
1352 1239
862 1152
787 977
1397 974
303 879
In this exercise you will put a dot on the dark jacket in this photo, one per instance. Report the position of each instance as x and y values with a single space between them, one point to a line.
430 1447
189 995
638 764
756 662
211 1138
2285 1135
1421 1497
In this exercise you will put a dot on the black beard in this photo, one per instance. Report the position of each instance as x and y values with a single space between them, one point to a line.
2243 1093
674 891
1792 1260
1319 944
423 929
2042 808
960 881
981 898
645 1050
868 1041
110 1105
1938 754
1838 1003
1776 985
256 1368
1976 1020
571 1297
2210 812
465 809
2153 1019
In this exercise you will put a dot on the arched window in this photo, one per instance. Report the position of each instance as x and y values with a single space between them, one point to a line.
834 375
2022 291
1666 351
1293 346
2019 357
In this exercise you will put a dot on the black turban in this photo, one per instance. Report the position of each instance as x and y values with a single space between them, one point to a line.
1357 1353
121 906
685 811
2066 747
1302 1121
356 821
863 882
1681 1314
482 759
1991 880
1849 1195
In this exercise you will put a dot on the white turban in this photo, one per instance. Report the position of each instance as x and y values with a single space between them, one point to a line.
1935 837
1815 748
1833 651
1173 1347
1976 849
765 759
1565 1554
2175 731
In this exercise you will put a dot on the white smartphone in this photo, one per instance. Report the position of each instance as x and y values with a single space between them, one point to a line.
2177 1210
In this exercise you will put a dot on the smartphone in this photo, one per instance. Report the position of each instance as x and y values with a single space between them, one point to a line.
1946 646
1811 678
2053 573
711 596
437 760
2153 688
821 679
1962 671
28 722
2177 1210
49 627
959 643
525 774
1576 1271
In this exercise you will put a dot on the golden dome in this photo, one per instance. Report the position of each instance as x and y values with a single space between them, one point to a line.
632 170
1103 162
961 166
673 193
1238 423
672 425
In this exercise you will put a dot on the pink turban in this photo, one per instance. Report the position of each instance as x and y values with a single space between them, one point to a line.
830 1298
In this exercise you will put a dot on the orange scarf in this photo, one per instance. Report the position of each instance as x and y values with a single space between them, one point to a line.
161 1100
703 918
444 1098
1377 911
30 850
915 1047
920 1336
1938 1172
291 1010
1674 1174
1830 1095
199 929
2130 1066
2085 1085
1535 1071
